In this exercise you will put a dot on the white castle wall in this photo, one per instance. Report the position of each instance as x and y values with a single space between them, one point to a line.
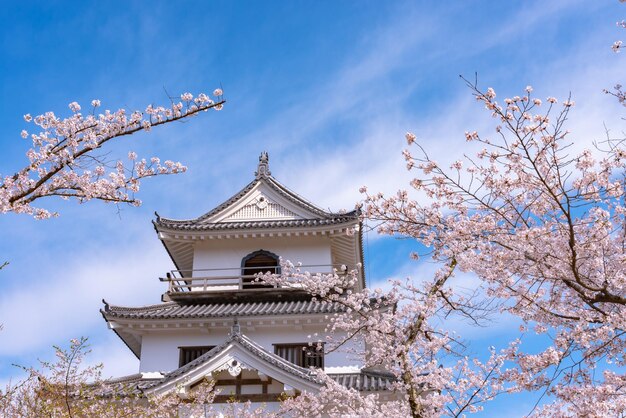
160 349
228 253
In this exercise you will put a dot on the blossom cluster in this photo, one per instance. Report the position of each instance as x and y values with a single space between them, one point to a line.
393 332
63 159
68 388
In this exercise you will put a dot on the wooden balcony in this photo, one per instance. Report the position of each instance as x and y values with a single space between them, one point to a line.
237 283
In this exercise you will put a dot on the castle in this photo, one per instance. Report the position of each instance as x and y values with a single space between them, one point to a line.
216 320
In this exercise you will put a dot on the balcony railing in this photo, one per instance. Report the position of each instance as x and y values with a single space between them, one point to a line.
233 279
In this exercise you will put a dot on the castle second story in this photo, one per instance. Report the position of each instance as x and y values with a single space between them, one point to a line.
219 254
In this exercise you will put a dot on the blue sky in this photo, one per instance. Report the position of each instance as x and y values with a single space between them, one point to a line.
328 88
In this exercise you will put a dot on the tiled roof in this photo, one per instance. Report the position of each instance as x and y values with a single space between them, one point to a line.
270 181
173 310
130 385
365 380
200 224
289 223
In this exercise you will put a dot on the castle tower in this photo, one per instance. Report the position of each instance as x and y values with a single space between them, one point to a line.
216 320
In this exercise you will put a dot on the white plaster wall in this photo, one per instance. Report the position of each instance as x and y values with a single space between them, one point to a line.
159 350
218 410
228 253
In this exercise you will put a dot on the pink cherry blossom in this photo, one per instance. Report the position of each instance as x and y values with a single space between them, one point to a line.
62 162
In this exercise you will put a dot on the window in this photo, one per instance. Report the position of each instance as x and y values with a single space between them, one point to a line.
301 354
188 354
260 261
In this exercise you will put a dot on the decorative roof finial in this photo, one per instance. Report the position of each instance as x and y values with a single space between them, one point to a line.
236 329
263 170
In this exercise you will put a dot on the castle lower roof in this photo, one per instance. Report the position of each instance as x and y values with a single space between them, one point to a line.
174 310
239 345
363 381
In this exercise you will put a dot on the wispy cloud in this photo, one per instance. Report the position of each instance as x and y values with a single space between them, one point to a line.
66 305
113 354
331 170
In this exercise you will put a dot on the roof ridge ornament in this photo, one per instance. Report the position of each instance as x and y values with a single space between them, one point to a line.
235 329
263 170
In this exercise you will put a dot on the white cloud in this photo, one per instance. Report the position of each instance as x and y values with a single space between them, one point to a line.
66 305
329 172
113 354
110 351
492 324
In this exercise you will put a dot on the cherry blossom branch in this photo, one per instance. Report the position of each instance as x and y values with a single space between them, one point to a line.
396 327
62 162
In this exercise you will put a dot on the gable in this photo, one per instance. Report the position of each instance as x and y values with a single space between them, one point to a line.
261 203
262 208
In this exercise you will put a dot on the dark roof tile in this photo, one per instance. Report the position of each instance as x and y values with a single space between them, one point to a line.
173 310
365 380
289 223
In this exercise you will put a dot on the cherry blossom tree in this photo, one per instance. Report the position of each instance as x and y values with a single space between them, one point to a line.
64 160
68 388
541 222
542 225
